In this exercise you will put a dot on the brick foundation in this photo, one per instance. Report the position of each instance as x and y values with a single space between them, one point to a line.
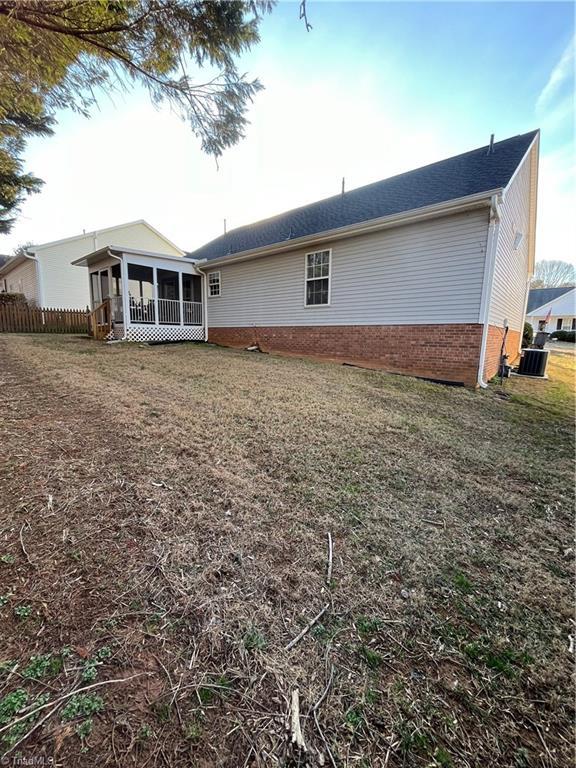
493 346
441 352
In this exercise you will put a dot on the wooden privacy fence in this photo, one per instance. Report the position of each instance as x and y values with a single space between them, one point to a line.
19 318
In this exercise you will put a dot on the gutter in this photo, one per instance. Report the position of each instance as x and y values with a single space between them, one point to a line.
492 244
457 205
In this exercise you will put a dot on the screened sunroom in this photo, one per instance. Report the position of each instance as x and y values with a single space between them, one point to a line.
144 296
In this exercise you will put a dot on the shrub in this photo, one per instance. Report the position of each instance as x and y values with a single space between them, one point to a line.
527 335
564 336
12 298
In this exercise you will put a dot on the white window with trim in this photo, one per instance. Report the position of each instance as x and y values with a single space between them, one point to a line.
214 284
318 272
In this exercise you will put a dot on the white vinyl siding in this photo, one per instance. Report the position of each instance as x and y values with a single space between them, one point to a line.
427 272
509 285
563 307
66 286
24 279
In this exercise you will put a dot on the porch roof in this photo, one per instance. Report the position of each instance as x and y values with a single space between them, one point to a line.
120 251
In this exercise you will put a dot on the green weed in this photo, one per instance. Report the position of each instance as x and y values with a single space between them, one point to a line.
82 705
371 658
254 640
43 666
23 612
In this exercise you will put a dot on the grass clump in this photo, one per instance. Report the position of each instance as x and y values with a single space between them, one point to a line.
506 661
254 640
371 658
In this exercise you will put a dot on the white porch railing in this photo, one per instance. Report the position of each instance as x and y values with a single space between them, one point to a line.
144 311
192 312
169 311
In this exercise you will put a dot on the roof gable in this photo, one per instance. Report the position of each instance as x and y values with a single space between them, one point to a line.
538 297
457 177
116 227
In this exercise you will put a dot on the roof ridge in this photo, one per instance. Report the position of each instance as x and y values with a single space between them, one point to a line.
472 172
366 186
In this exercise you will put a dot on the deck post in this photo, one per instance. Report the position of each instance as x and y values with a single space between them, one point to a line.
125 293
181 295
155 289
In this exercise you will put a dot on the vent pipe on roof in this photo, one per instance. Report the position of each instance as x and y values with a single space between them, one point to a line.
491 147
224 226
343 183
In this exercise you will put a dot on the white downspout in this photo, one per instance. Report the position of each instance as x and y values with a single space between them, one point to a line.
205 276
39 280
125 297
200 270
528 281
491 246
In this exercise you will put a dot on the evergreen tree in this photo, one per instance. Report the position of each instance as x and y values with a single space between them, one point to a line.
59 54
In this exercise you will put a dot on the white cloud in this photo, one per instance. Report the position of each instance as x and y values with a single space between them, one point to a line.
562 72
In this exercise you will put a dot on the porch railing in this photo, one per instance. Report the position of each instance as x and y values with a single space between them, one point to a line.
144 311
192 312
169 311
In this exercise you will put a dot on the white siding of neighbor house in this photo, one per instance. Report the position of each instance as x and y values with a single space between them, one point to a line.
509 287
24 279
563 307
427 272
66 286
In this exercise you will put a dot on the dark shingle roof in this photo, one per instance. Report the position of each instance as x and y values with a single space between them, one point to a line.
540 296
468 174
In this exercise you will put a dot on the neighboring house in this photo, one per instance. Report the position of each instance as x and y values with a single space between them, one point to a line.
46 276
418 274
556 305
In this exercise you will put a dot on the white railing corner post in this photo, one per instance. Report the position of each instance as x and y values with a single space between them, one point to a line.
155 294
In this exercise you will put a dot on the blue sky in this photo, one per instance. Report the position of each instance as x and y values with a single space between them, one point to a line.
373 90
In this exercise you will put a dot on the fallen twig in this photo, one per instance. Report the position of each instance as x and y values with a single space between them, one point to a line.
295 730
329 569
26 555
307 628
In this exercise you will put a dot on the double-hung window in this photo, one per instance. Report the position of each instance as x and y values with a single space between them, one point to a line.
214 284
318 278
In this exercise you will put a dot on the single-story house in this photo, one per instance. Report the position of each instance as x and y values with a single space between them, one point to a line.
45 275
425 273
557 306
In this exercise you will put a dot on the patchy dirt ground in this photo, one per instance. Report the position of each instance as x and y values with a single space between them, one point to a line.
164 522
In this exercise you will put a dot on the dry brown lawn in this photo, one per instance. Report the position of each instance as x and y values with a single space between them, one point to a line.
164 520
